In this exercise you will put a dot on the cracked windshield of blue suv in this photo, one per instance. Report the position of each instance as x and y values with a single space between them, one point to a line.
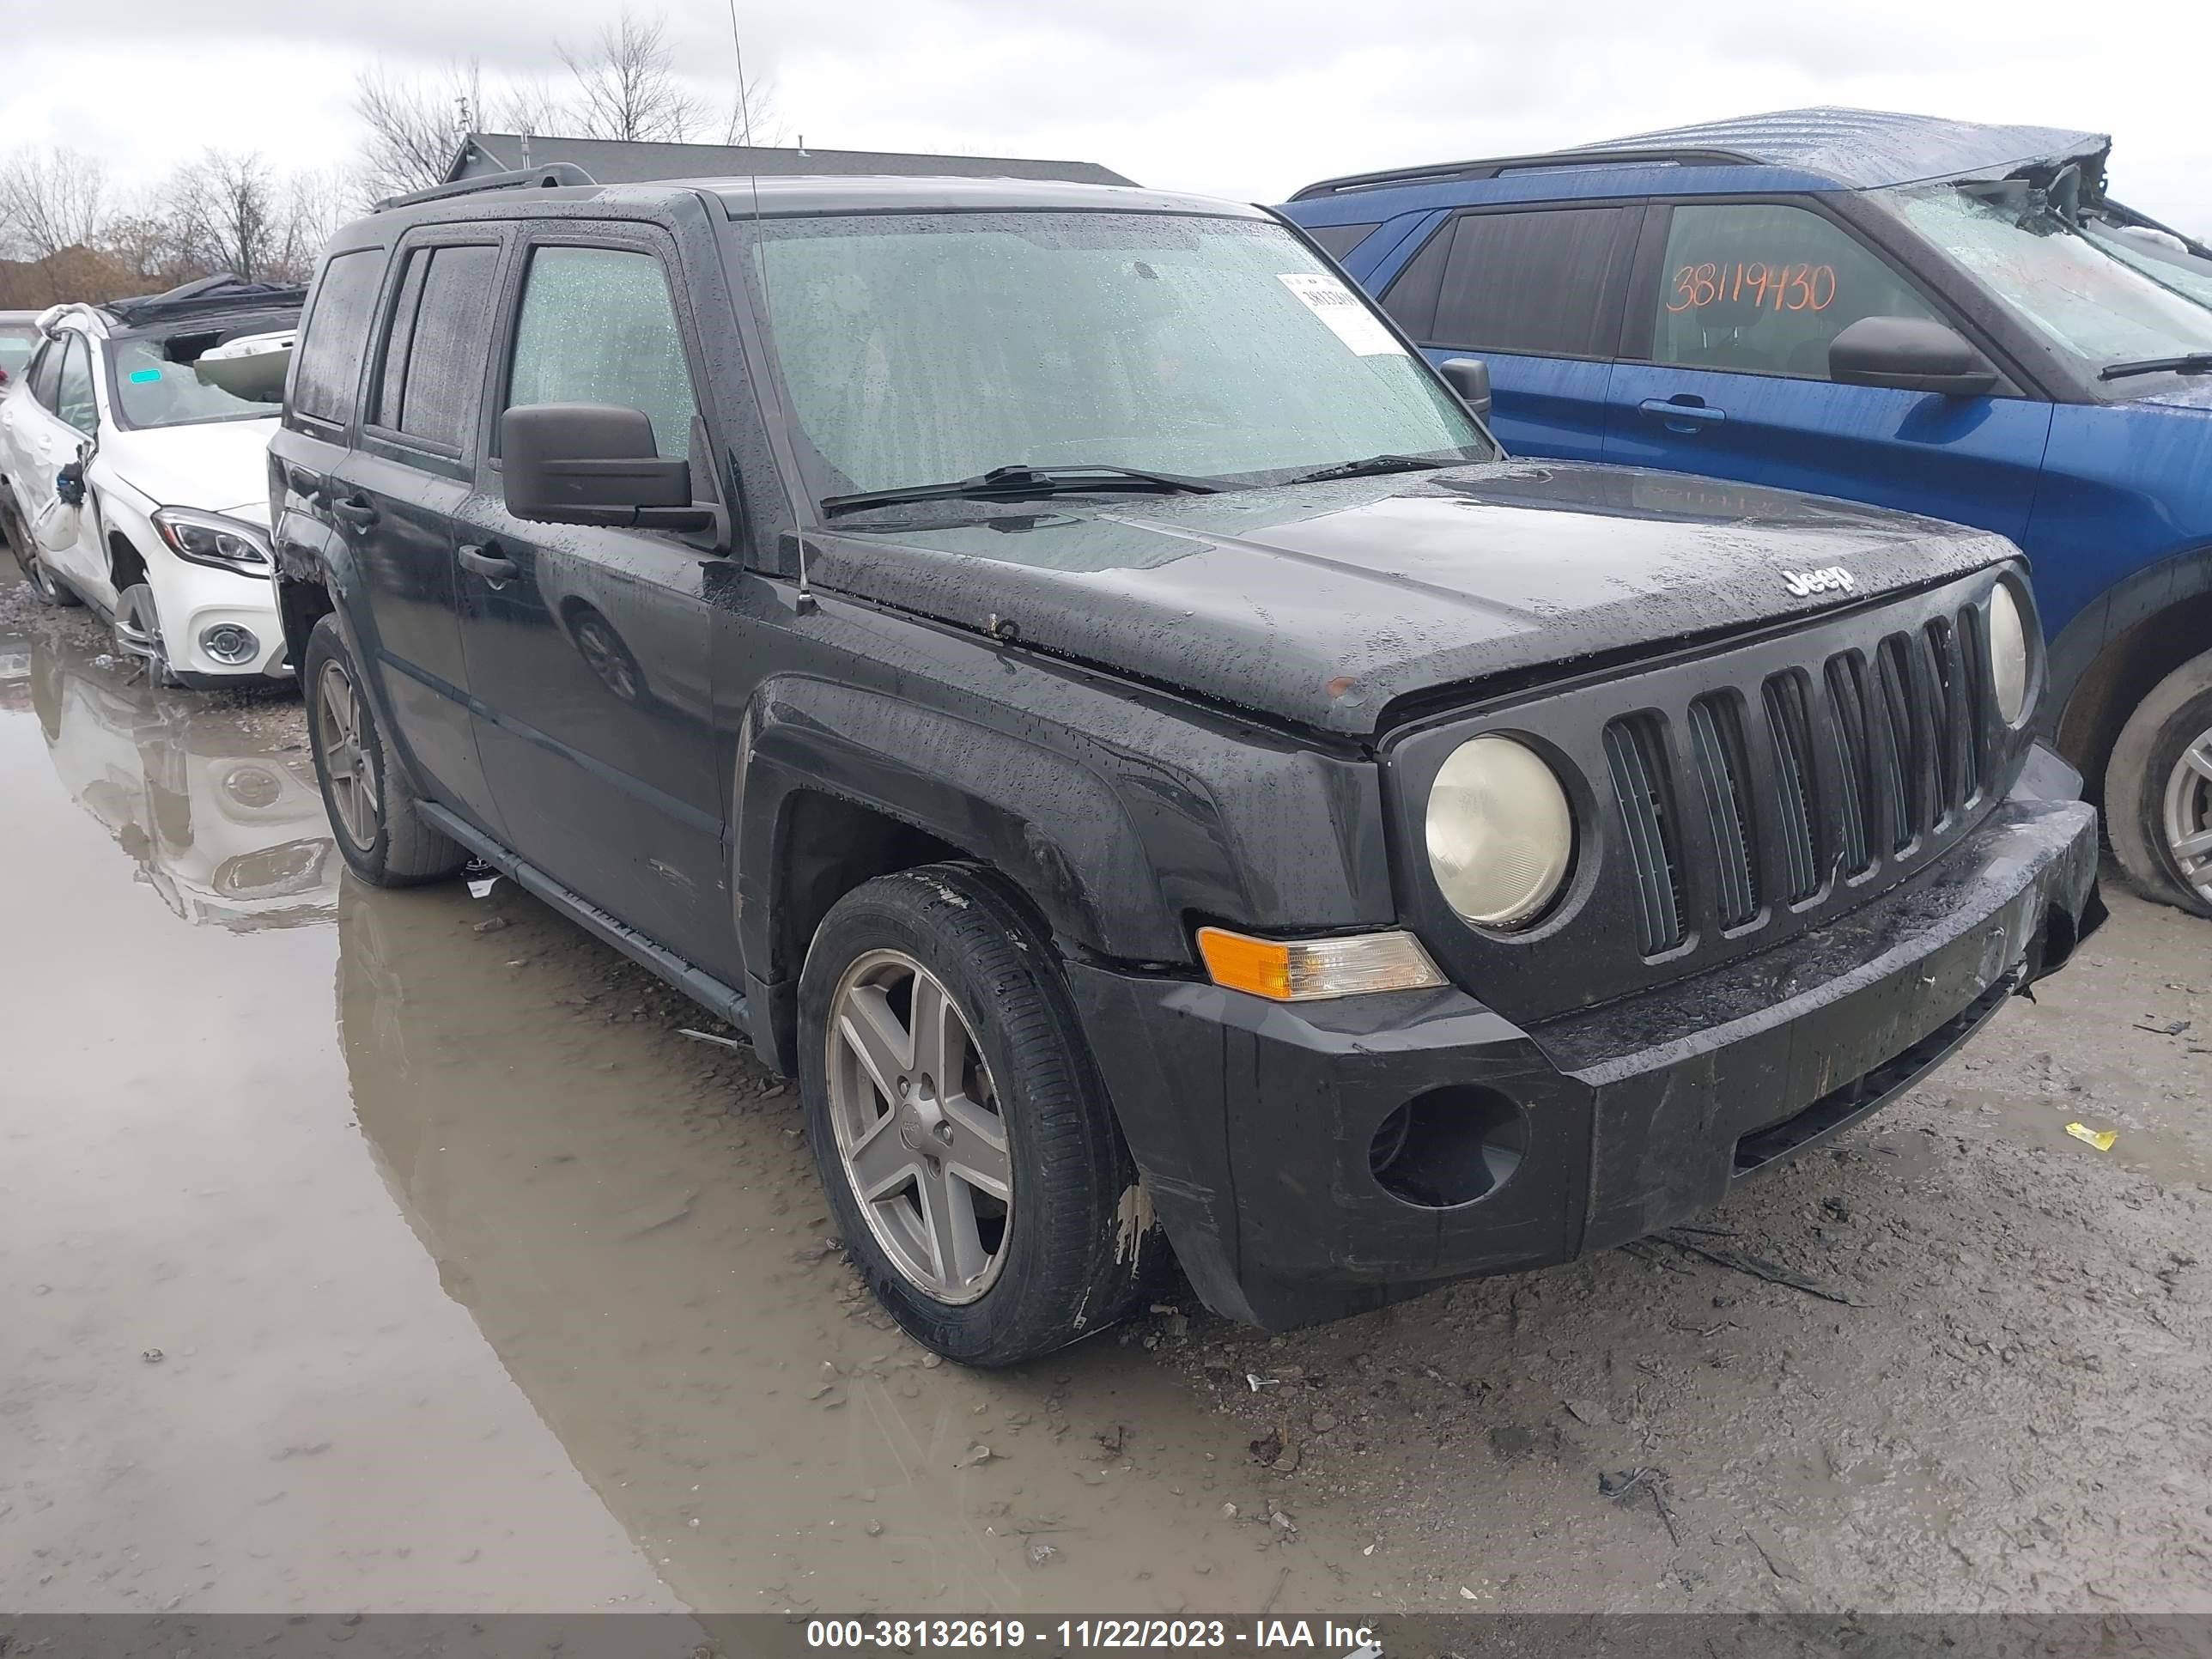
920 348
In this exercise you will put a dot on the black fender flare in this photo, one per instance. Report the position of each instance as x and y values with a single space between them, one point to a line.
1035 812
2089 659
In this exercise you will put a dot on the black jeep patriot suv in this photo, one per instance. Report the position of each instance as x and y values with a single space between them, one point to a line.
1056 667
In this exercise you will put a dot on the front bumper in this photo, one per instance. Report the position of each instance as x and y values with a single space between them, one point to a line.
1253 1121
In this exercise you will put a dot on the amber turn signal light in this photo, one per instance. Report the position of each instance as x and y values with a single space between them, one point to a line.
1309 969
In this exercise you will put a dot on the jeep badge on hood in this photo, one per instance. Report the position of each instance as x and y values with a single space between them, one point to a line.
1803 583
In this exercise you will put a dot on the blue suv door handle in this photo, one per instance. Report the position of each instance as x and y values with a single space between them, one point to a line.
1681 415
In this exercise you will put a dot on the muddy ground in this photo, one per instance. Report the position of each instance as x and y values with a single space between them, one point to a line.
396 1252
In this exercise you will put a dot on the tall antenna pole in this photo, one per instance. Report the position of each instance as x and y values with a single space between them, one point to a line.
744 101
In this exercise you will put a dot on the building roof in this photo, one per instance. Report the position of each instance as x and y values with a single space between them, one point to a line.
1866 148
619 161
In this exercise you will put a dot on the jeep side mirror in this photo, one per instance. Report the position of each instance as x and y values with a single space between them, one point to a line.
1910 353
1470 378
594 464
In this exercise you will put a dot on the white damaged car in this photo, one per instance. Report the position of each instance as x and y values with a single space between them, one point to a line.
134 452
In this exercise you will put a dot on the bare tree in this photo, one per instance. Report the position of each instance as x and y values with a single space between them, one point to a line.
627 87
52 199
227 210
311 207
414 125
753 116
528 107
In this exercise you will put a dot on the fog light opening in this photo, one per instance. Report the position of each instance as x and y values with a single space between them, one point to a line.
1449 1146
227 642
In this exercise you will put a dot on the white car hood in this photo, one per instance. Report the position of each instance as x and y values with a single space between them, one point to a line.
219 466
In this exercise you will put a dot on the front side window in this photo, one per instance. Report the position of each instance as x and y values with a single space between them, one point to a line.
919 348
1529 282
432 361
2074 291
73 399
598 327
1337 240
1763 288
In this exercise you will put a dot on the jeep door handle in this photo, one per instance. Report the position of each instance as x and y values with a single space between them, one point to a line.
1693 415
356 511
304 483
489 564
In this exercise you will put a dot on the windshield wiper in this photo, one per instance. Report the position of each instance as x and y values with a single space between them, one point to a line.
1012 483
1372 466
2192 362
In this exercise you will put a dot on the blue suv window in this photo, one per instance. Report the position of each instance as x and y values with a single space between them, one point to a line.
1763 288
1337 240
1532 282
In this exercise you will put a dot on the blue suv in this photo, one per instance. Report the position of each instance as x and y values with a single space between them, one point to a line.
1952 318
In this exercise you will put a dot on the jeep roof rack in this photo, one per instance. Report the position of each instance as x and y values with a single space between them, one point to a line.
1454 172
554 175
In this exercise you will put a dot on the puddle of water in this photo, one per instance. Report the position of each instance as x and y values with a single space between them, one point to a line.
233 1382
425 1223
636 1227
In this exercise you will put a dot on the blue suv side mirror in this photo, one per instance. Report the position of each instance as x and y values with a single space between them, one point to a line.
1910 353
1470 378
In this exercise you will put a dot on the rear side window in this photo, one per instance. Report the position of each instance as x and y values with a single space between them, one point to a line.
598 327
1337 240
433 357
1531 283
1763 288
73 399
327 373
392 372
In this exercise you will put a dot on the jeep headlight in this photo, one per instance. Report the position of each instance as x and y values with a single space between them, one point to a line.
211 539
1501 835
2007 654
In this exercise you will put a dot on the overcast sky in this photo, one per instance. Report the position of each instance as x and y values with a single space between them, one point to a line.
1247 100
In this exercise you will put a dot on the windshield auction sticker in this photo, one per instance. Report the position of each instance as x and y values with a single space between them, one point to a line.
1345 314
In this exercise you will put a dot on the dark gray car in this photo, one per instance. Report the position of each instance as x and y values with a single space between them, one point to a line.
1055 667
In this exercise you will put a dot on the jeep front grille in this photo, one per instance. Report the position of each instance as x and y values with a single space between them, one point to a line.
1904 728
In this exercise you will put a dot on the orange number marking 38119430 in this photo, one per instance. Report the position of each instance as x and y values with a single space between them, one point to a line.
1785 287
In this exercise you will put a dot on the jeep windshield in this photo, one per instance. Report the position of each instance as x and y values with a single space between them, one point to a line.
978 354
2072 286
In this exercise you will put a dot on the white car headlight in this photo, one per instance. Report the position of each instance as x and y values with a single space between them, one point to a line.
2007 654
213 539
1501 835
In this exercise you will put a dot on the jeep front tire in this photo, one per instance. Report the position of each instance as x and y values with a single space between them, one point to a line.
965 1141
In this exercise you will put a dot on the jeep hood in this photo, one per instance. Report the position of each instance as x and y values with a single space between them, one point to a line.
218 466
1323 605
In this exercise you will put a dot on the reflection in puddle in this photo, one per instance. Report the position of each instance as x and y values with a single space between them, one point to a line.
227 832
635 1224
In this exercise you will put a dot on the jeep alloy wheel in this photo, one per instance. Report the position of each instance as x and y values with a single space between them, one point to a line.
351 770
918 1127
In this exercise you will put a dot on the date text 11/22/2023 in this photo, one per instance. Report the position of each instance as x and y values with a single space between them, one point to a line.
1085 1635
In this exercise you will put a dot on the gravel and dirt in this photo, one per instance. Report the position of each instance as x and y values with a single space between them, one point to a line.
397 1251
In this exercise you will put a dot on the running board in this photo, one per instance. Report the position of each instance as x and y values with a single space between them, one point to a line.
702 988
